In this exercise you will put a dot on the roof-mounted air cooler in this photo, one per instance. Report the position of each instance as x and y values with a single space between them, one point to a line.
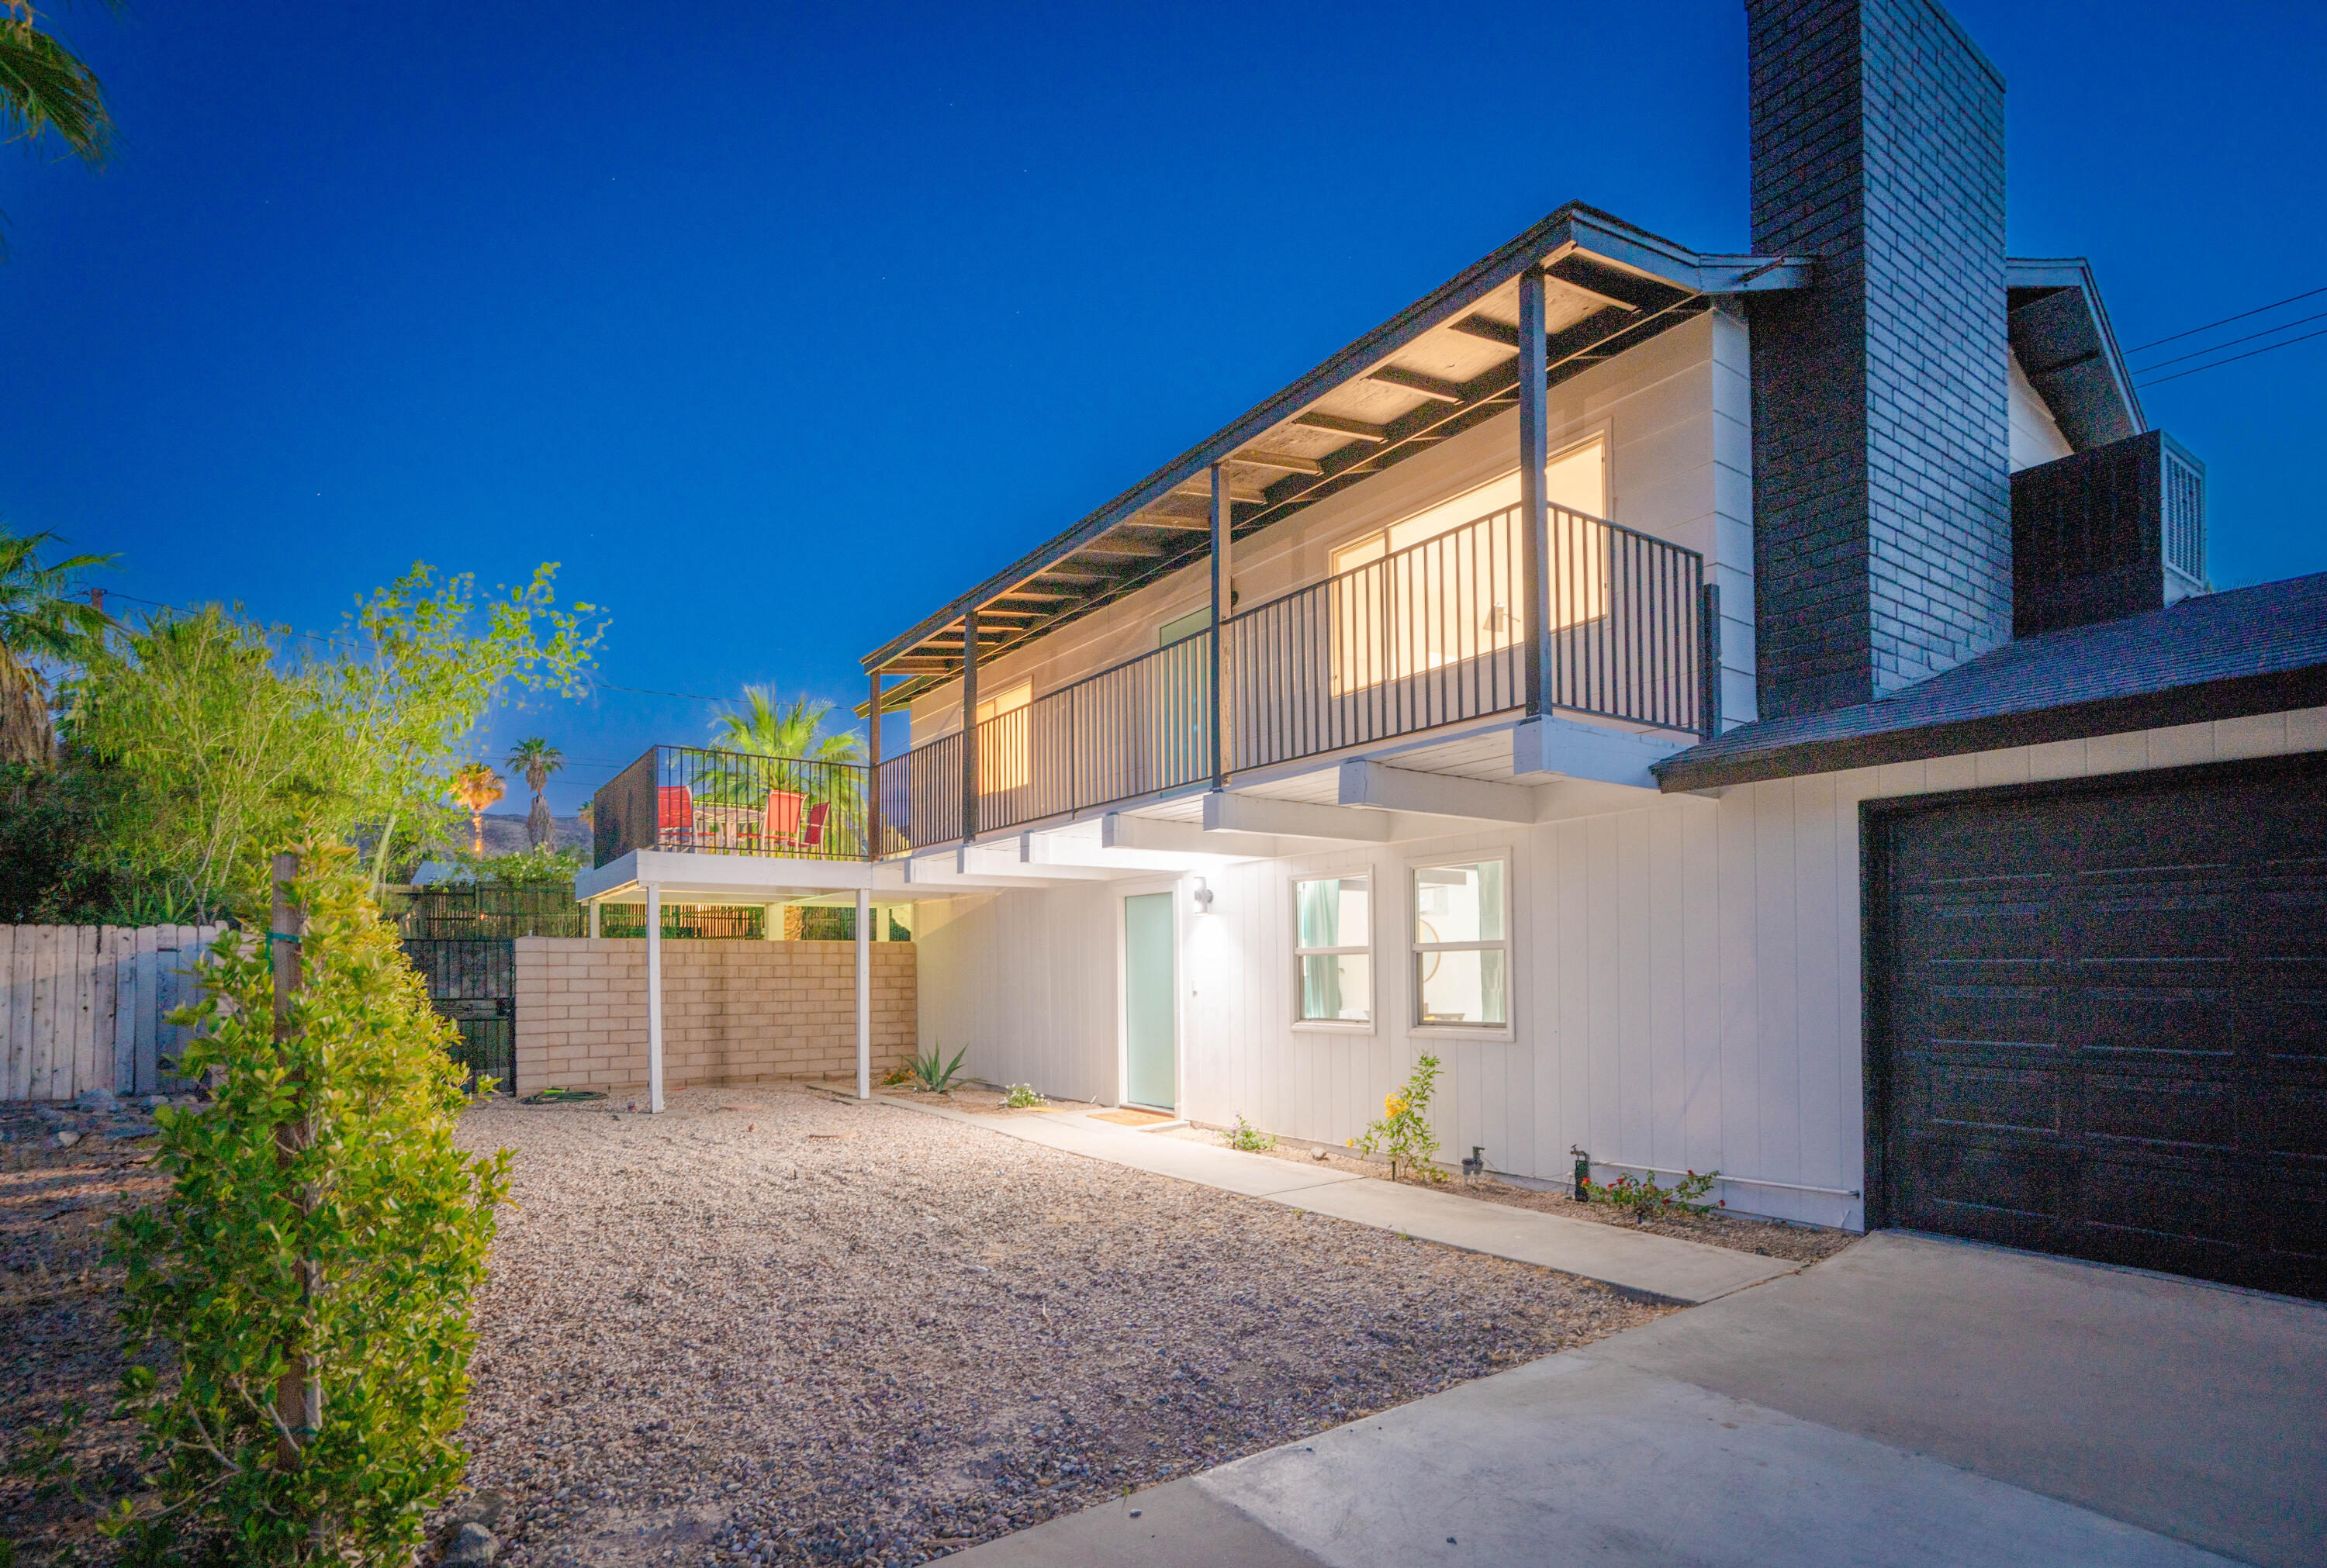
2108 533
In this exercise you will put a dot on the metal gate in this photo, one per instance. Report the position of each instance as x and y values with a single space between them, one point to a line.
473 981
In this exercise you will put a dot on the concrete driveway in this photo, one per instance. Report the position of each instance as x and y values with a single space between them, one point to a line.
1913 1401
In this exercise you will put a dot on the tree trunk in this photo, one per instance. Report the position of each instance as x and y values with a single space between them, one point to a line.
27 735
540 828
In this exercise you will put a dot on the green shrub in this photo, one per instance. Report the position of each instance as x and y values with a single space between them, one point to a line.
1245 1135
319 1217
1404 1131
1023 1098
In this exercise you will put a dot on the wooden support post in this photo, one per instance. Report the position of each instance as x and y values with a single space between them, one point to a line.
872 773
864 995
299 1394
1535 515
969 726
1223 525
654 997
595 925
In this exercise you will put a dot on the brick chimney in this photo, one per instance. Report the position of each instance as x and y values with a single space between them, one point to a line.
1882 484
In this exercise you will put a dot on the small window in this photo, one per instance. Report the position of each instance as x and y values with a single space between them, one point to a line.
1333 943
1462 945
1187 625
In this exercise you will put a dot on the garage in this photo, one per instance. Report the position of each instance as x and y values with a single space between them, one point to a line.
2097 1019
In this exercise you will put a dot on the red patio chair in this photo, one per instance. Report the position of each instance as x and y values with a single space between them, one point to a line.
674 814
779 824
816 819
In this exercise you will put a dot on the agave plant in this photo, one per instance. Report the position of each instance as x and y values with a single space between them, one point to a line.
934 1073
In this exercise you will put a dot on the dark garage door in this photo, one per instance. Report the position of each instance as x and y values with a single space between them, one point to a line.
2099 1020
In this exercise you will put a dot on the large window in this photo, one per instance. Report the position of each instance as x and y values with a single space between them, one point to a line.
1458 598
1462 945
1004 751
1333 943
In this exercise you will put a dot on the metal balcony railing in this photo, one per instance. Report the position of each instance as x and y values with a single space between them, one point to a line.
1426 636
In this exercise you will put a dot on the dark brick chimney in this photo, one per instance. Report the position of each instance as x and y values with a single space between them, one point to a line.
1882 486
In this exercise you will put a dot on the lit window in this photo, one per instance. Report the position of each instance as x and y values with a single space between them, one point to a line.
1443 586
1003 748
1333 943
1462 945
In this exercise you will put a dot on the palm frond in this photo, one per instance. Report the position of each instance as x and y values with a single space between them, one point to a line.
45 86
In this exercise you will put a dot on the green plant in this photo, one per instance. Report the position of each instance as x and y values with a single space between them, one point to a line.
934 1073
1647 1200
1023 1098
40 1456
310 1272
1403 1132
1245 1135
38 620
899 1074
793 734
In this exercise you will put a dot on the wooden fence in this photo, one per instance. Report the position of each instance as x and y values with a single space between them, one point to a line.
86 1006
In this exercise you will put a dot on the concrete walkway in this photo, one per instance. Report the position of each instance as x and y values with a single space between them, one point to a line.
1638 1262
1913 1401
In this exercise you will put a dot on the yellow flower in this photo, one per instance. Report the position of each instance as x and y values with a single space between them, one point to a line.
1394 1105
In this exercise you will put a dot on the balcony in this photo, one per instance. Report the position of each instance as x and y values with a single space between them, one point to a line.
1426 637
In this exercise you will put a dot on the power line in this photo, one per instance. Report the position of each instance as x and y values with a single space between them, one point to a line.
2226 320
2233 342
2234 359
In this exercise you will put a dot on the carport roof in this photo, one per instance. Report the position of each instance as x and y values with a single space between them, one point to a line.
2218 656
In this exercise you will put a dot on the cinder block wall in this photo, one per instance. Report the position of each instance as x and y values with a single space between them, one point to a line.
732 1011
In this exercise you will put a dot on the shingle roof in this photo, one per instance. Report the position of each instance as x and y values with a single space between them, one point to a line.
2250 650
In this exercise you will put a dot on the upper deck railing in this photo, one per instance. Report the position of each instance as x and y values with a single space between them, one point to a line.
1426 636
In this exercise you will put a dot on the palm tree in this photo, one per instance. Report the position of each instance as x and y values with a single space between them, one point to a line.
45 86
476 787
796 733
37 621
536 759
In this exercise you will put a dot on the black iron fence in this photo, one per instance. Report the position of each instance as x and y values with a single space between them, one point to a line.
473 982
1431 634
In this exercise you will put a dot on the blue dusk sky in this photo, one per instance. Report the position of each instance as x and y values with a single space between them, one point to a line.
778 326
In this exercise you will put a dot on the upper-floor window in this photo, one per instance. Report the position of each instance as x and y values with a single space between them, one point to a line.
1461 943
1443 586
1004 748
1333 943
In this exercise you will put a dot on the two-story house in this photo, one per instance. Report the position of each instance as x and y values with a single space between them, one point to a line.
1758 712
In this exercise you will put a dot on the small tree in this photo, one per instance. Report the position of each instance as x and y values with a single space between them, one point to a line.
1404 1131
312 1270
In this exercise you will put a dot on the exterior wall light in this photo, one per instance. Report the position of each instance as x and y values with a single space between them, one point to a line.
1203 897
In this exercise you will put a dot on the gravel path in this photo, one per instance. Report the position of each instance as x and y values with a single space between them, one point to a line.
768 1326
1737 1232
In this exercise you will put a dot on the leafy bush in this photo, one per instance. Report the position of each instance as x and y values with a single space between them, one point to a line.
1647 1200
1023 1098
934 1073
1404 1131
1245 1135
312 1269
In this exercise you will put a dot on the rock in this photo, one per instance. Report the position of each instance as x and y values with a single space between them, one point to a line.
481 1508
66 1139
1316 1153
156 1101
473 1547
146 1132
96 1100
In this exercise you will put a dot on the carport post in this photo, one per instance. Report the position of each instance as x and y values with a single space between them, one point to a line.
595 907
654 996
864 995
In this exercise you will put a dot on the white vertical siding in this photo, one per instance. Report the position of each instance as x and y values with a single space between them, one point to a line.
1686 985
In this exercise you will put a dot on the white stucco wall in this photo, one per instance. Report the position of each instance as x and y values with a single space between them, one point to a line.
1685 979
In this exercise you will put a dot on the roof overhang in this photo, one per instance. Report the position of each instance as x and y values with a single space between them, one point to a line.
2061 334
1442 365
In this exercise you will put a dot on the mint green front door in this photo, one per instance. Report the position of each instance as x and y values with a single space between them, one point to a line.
1151 1036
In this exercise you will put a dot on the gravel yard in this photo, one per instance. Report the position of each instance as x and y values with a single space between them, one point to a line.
771 1326
1737 1232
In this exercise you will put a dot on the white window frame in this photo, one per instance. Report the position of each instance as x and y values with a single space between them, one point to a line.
1373 959
1416 948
